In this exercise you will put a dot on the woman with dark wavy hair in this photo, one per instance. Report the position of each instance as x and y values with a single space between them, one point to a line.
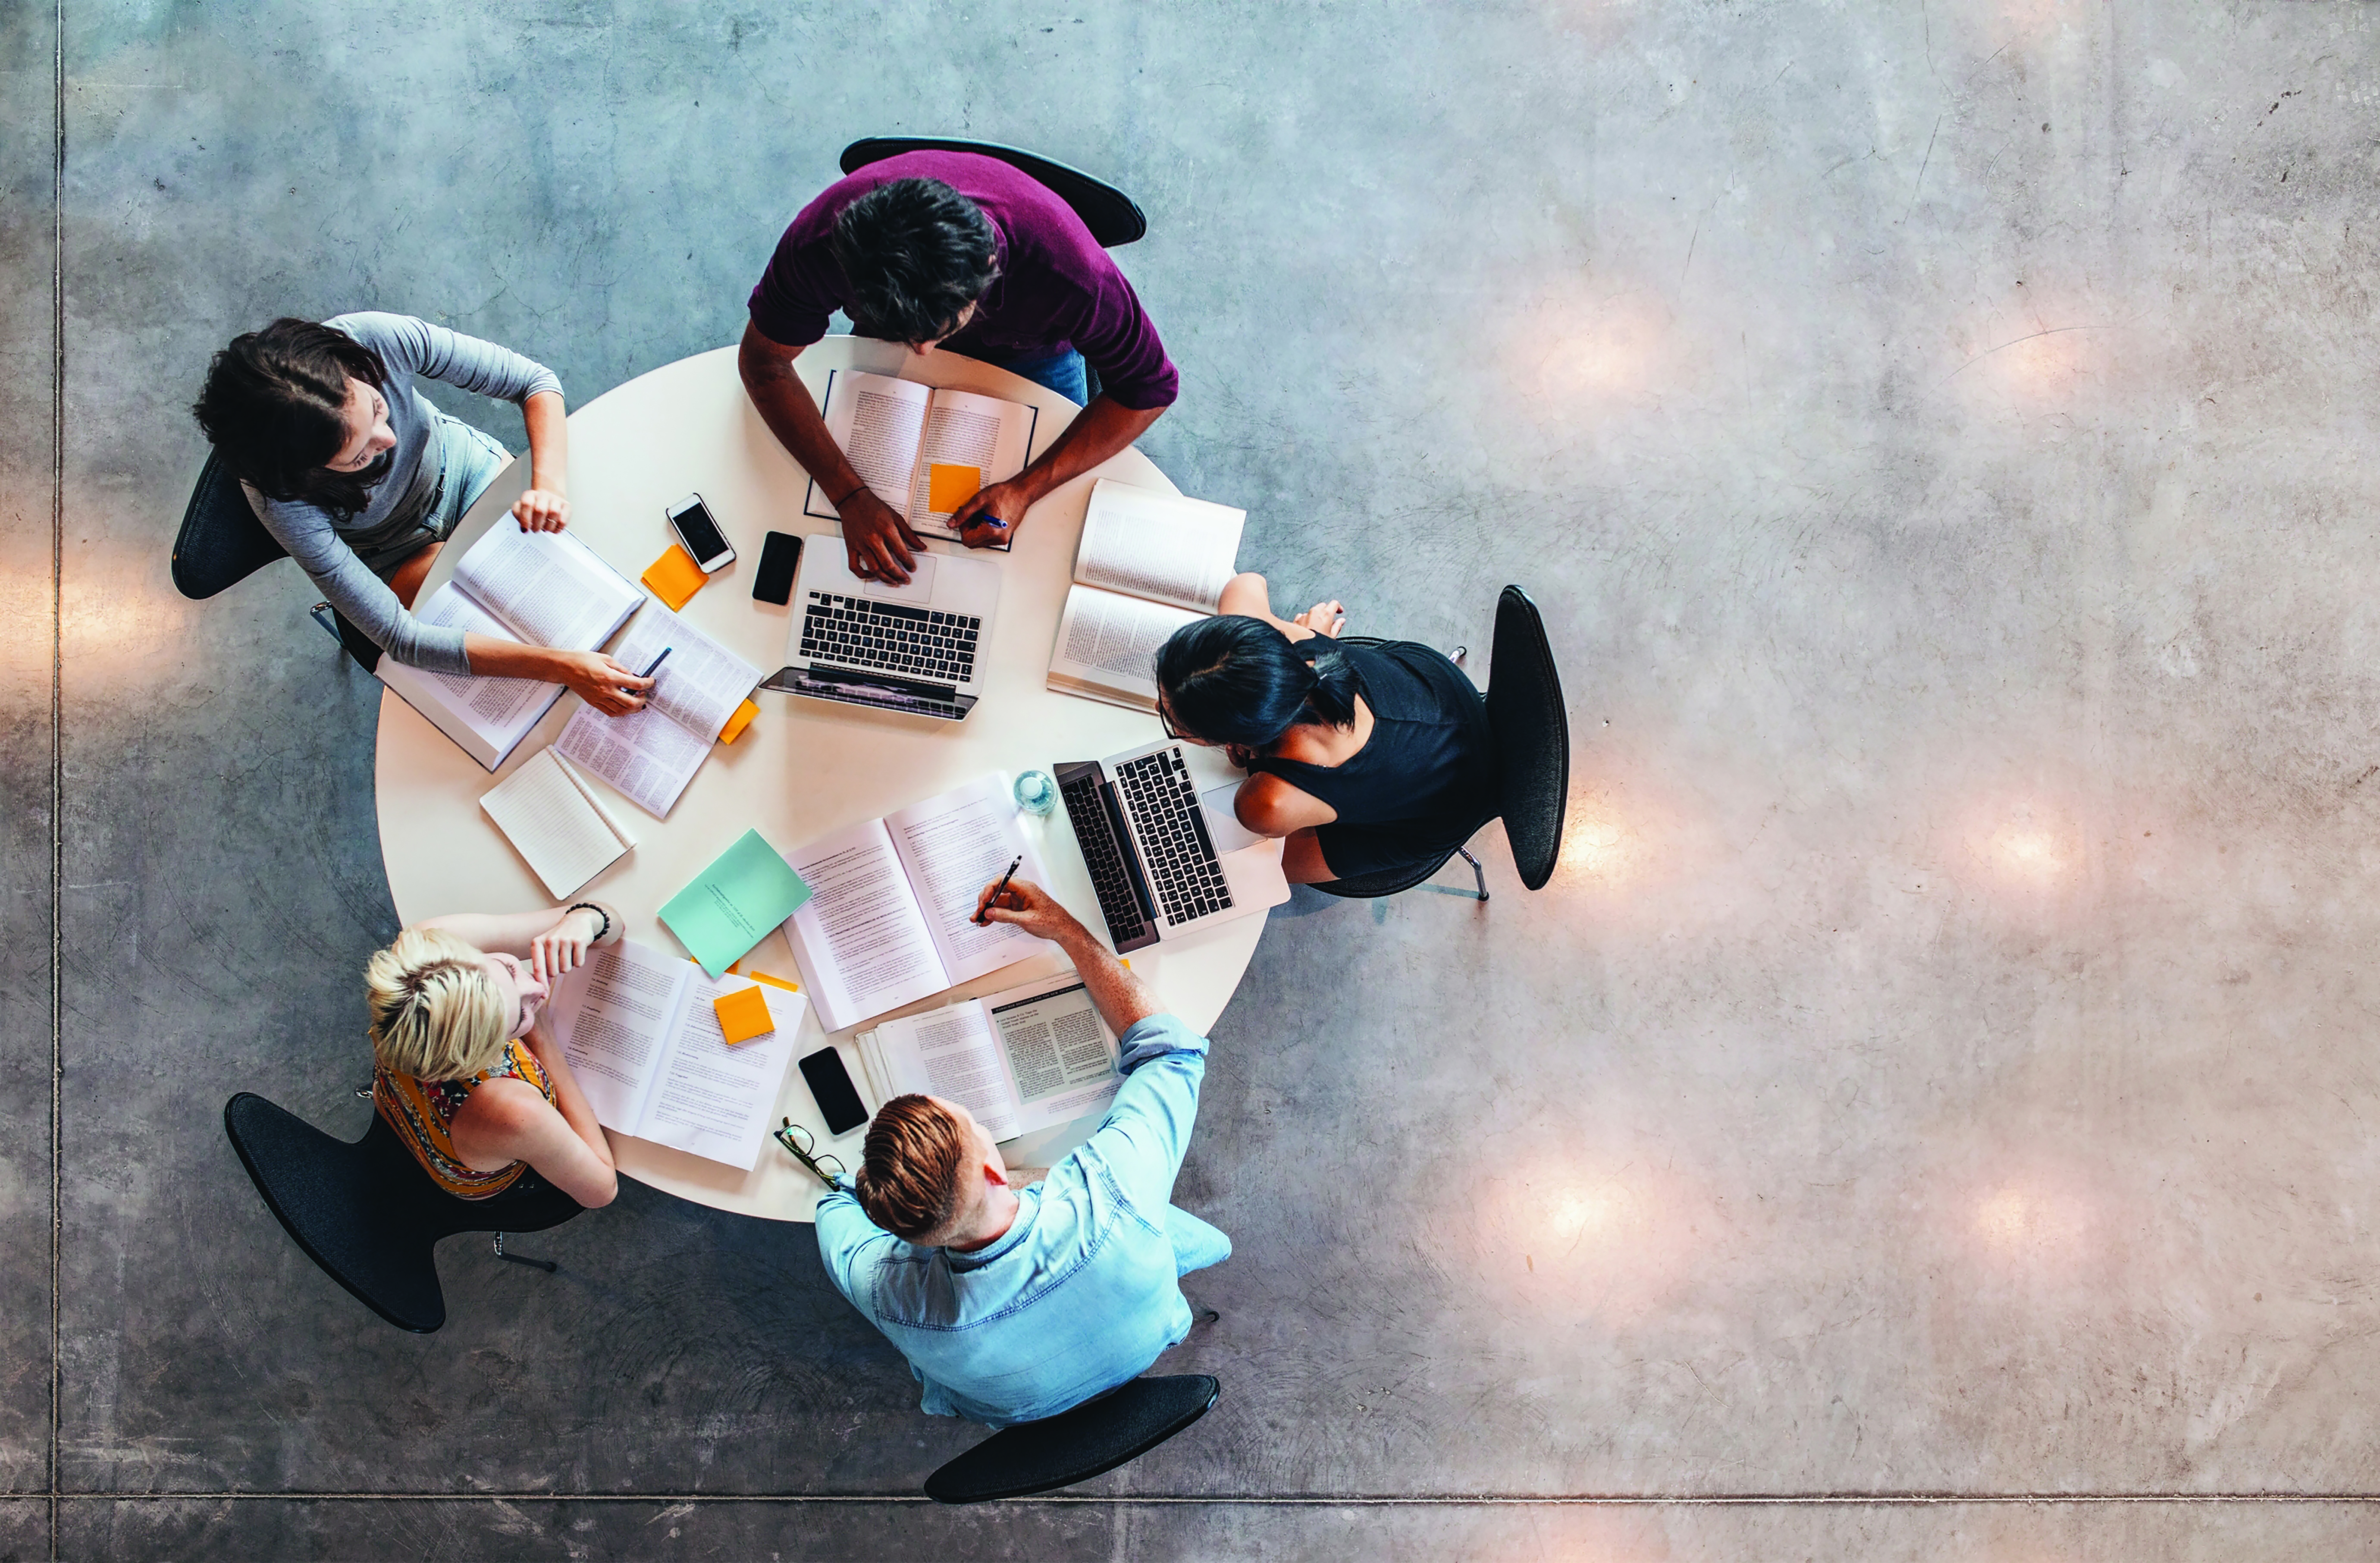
1367 759
361 479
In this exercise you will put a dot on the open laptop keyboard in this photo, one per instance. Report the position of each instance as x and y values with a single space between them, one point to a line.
859 632
1164 802
1110 876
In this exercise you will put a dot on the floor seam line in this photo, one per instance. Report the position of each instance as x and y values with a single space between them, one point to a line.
57 751
1314 1500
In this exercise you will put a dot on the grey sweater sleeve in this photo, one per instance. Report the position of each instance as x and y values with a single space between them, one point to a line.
464 362
361 598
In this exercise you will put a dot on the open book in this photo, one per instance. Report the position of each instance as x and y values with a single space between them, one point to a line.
554 820
639 1032
1149 564
547 589
1028 1059
651 755
924 451
891 917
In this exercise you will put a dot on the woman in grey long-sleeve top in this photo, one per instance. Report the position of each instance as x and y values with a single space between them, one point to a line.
361 479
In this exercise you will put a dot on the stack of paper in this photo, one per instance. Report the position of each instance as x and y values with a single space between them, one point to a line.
552 816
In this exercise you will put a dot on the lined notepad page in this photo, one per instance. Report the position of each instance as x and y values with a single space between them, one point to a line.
553 818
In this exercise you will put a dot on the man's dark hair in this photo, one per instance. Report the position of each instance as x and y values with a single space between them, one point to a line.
274 403
916 253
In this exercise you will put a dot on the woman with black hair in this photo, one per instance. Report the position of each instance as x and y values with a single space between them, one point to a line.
361 480
1368 758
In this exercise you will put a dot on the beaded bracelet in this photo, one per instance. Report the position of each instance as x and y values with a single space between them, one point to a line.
590 906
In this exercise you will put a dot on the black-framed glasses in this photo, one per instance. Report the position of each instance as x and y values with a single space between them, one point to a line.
802 1148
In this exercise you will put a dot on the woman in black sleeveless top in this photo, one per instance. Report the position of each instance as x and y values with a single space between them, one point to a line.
1366 758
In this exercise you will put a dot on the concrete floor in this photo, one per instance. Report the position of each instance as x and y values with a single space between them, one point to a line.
1942 1066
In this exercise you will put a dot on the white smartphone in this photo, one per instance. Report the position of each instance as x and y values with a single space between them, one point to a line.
690 519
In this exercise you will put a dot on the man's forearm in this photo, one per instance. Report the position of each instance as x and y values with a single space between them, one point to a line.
791 414
1122 999
1098 432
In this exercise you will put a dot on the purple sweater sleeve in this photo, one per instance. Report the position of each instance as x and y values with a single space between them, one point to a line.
1121 342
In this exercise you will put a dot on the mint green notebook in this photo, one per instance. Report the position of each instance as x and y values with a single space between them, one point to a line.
731 905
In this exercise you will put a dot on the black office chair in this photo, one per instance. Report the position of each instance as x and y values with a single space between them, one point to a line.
1093 1438
1531 731
222 544
367 1214
1113 217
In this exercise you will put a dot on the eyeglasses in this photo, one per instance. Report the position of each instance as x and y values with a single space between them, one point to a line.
802 1148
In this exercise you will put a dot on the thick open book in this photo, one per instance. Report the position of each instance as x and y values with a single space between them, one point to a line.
924 451
547 589
891 917
639 1032
651 755
1028 1059
1149 564
557 823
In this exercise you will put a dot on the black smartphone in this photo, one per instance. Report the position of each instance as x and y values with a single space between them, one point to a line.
830 1088
773 582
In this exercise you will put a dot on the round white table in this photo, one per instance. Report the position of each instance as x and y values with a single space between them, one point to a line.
805 766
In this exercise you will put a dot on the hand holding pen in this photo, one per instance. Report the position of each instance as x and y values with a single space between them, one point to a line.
998 891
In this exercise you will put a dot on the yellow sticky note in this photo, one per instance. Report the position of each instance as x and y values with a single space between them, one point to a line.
674 578
743 1015
774 981
737 723
949 486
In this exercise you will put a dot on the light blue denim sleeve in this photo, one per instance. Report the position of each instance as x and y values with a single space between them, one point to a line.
846 1235
1146 1131
467 363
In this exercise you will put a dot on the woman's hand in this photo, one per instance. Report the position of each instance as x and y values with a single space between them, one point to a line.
563 946
1323 618
603 684
542 510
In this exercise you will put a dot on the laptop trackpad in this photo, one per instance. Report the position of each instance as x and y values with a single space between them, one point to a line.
1223 827
918 593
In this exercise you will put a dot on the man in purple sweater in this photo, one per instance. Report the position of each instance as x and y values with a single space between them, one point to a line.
957 250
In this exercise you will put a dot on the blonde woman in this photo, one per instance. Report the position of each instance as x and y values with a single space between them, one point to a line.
466 1078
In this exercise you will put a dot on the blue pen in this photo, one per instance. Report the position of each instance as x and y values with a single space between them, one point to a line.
658 661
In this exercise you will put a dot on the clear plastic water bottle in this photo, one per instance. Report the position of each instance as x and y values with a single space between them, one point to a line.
1036 793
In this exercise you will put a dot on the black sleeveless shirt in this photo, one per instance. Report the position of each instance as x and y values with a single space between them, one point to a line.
1424 777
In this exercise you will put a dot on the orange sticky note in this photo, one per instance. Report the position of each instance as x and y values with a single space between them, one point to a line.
736 724
674 578
743 1015
949 486
774 981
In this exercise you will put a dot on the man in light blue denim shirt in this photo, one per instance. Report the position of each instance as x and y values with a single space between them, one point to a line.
1016 1303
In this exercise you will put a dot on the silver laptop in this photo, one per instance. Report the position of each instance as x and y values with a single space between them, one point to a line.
918 647
1167 854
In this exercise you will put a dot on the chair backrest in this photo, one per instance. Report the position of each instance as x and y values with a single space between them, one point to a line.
221 542
337 1202
1532 731
1110 215
1095 1437
366 1212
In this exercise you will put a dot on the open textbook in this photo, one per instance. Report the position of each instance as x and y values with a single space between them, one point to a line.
555 821
1021 1061
1149 564
924 451
651 755
547 589
640 1031
891 917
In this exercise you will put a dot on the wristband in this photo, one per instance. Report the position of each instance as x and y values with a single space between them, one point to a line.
590 906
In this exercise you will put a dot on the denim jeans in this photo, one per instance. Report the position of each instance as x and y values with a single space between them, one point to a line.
1059 370
471 461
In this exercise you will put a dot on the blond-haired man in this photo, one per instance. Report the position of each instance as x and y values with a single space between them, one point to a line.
1013 1304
